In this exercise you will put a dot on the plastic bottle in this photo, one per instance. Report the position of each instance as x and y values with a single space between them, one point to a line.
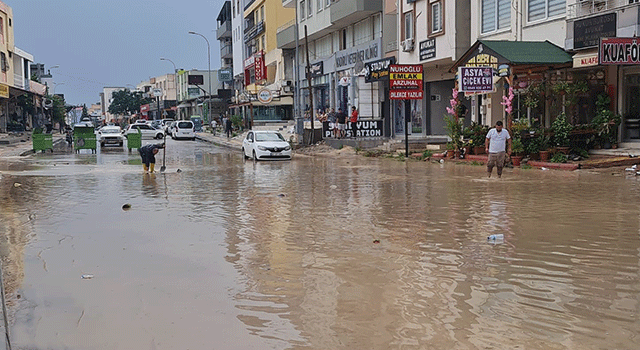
496 237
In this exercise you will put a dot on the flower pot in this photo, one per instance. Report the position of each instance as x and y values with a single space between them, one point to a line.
516 160
564 150
544 156
478 150
450 154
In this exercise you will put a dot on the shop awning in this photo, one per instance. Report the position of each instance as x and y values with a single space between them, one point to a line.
521 54
185 105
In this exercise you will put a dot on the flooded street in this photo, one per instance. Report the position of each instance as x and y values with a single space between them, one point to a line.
316 253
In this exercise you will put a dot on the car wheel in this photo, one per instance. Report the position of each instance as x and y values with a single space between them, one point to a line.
159 136
244 154
193 139
255 157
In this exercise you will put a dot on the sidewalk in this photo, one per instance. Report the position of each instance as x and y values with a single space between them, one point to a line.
221 140
19 144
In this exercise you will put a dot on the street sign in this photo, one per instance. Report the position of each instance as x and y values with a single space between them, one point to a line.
225 74
475 79
405 82
157 92
265 96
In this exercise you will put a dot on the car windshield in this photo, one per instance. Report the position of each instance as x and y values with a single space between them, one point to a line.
110 131
271 136
185 125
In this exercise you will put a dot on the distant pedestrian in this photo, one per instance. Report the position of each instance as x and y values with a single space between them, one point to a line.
498 146
341 117
228 127
331 117
353 120
148 155
214 124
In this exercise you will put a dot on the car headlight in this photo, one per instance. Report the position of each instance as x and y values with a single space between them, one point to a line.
287 148
262 148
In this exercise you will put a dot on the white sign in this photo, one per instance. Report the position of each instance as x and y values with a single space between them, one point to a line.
157 92
265 96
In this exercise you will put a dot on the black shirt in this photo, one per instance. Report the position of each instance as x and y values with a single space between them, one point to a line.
342 118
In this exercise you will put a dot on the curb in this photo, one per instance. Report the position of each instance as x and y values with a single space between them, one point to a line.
557 166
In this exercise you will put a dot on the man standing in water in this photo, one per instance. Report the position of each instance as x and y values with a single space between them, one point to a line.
148 155
495 145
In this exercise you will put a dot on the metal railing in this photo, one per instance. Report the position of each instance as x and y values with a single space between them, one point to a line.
584 8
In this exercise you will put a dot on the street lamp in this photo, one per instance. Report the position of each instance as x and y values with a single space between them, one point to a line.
175 81
54 87
209 60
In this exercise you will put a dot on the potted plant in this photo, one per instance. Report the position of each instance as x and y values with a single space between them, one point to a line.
544 142
517 150
478 137
561 129
606 123
453 126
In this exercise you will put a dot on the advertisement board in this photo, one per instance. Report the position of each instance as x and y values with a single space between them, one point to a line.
475 79
624 51
405 81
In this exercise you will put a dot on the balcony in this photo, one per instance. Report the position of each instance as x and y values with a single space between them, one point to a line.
252 32
224 31
344 12
585 8
226 51
20 82
289 4
286 35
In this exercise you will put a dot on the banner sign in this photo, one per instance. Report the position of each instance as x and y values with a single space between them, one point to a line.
405 81
378 70
261 71
4 90
619 51
317 69
364 128
427 49
475 79
195 79
225 74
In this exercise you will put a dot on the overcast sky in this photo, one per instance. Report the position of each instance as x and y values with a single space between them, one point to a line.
100 43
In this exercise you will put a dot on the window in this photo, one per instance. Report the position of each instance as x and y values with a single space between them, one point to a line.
310 12
436 17
496 15
319 5
362 32
3 62
543 9
264 43
327 3
302 8
262 14
408 25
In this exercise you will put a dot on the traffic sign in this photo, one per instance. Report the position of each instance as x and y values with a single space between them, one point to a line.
157 92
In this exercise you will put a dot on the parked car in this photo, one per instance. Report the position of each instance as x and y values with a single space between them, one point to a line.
148 131
197 122
183 129
110 136
165 125
263 144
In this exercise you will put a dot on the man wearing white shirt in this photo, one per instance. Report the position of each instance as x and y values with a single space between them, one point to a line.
495 145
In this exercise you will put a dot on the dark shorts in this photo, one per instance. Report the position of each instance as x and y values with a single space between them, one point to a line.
147 158
497 160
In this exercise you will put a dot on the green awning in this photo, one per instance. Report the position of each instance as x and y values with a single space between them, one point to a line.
513 53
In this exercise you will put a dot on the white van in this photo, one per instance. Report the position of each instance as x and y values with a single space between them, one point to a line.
183 129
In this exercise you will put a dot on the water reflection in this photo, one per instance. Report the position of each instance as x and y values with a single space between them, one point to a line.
322 253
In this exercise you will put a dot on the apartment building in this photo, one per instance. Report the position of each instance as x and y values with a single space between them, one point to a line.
192 90
225 37
264 67
344 38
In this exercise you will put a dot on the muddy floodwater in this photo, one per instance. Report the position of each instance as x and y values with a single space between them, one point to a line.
315 253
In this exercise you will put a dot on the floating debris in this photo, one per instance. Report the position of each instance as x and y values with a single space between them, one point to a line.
178 171
333 187
17 184
376 241
281 195
87 276
126 206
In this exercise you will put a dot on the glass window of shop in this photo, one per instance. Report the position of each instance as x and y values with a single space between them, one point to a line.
631 115
272 113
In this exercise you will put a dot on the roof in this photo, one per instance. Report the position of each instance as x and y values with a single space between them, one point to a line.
528 52
513 53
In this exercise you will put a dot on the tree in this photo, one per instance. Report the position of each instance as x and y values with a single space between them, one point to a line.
127 102
58 110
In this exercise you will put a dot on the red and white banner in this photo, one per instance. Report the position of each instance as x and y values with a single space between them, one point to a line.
619 51
405 82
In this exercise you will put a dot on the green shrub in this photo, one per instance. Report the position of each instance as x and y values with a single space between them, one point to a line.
559 158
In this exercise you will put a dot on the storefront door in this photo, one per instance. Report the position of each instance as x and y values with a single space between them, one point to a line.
631 121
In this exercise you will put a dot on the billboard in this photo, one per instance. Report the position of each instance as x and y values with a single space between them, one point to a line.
405 81
196 79
475 79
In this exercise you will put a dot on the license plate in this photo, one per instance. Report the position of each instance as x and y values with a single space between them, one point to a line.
275 153
112 141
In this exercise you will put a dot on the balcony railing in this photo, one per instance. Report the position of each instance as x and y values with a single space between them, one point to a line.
584 8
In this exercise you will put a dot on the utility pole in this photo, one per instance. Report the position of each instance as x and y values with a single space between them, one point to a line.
306 48
296 101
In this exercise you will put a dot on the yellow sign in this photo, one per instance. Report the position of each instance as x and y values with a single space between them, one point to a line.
483 60
409 76
4 90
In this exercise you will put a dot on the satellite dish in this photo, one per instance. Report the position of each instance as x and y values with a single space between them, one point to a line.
48 103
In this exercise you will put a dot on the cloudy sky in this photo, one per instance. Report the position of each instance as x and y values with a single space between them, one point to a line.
116 42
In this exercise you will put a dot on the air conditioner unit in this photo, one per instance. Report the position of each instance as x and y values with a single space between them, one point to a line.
407 45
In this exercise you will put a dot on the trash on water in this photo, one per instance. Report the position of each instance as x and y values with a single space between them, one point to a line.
87 276
281 195
333 187
178 171
126 206
17 184
543 168
633 168
376 241
496 237
441 161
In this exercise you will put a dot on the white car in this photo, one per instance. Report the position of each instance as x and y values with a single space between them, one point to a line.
263 144
110 136
148 131
183 129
